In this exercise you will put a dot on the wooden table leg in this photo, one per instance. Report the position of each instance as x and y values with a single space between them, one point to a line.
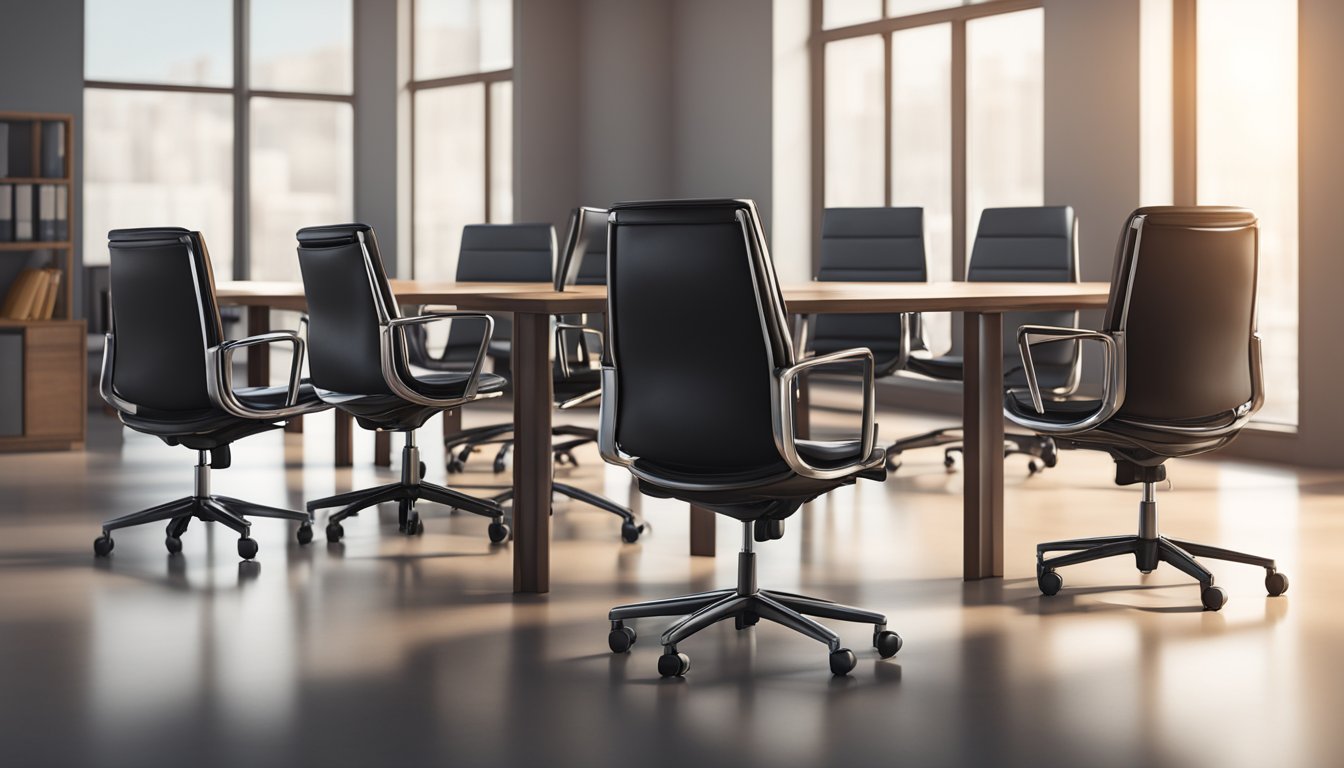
532 395
702 532
382 449
802 409
258 359
345 454
982 414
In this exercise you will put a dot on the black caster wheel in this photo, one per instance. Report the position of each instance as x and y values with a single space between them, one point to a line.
949 461
893 462
1033 467
887 643
423 469
304 534
743 622
673 664
498 532
1276 583
630 532
414 525
621 638
1213 598
843 662
1050 457
247 548
1050 583
335 533
174 544
500 459
455 465
102 546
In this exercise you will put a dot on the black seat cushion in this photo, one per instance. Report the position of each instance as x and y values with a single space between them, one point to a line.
392 412
207 428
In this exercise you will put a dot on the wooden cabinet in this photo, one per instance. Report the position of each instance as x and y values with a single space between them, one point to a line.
54 385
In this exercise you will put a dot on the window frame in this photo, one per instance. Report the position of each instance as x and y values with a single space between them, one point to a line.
414 86
242 95
956 16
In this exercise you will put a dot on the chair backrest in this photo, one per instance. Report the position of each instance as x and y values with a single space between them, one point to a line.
583 257
164 317
502 253
869 245
348 301
1183 292
696 327
1040 245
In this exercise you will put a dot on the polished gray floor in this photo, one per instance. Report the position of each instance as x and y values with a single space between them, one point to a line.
389 651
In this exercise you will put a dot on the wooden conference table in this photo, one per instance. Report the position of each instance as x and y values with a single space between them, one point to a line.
533 305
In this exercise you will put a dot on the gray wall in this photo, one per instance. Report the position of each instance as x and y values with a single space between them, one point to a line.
618 100
42 70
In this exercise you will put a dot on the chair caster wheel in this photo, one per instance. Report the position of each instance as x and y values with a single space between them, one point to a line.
497 532
247 548
102 546
335 533
673 664
1050 458
887 643
621 638
414 525
173 544
949 461
630 532
304 534
1213 598
893 463
1276 583
455 465
423 469
744 622
1050 583
1033 467
843 662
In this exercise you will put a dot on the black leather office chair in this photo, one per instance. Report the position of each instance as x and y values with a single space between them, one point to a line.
870 245
360 364
1037 244
701 410
168 372
1183 377
526 253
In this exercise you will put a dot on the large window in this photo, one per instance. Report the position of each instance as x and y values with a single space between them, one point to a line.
1220 128
233 117
462 128
937 104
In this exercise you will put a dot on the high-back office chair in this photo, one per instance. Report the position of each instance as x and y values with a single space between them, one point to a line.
575 380
168 372
360 364
701 410
1037 244
1182 377
870 245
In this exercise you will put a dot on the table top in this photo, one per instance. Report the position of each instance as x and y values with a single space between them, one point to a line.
805 298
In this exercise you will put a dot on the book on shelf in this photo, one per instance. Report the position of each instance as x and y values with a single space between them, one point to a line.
6 211
23 212
53 149
62 213
4 150
33 295
46 213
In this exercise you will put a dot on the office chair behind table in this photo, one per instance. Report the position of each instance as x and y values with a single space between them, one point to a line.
360 365
168 372
701 410
1183 376
1037 244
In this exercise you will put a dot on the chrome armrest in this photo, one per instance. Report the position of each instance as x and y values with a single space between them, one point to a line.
584 332
803 334
392 341
1113 382
219 376
105 378
785 428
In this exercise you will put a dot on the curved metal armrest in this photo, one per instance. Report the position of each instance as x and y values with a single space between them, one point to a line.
1113 384
785 428
584 332
803 333
105 378
219 376
392 341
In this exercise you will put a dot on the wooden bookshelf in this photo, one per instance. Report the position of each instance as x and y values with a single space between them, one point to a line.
53 358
